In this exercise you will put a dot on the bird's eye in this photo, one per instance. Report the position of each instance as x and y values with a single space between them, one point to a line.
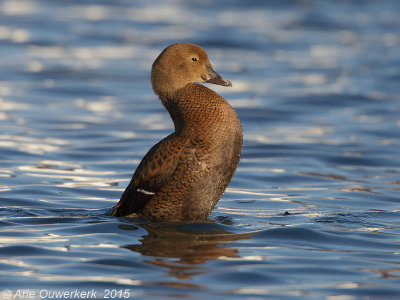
194 58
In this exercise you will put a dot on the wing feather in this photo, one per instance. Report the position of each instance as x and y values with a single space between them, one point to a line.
153 172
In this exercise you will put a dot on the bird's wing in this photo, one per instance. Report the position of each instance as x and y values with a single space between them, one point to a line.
153 172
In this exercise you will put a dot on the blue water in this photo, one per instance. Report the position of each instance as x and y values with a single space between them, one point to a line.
313 210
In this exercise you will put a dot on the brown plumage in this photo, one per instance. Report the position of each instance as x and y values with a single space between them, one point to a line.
183 176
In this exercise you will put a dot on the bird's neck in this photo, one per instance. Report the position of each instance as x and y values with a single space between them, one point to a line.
194 108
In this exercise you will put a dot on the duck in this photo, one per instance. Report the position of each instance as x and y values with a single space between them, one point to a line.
182 177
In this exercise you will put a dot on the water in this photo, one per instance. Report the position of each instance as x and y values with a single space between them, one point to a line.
313 210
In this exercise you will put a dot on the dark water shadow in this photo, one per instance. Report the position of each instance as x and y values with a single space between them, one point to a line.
181 246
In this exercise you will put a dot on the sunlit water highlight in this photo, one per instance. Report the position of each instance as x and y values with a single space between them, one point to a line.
313 210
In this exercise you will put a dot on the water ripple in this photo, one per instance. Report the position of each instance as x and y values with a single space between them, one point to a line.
313 208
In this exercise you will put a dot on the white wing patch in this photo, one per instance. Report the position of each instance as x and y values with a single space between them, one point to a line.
145 192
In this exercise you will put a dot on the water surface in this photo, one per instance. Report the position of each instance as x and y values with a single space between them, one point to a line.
313 209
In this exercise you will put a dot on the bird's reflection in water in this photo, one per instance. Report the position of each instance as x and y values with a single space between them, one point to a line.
182 246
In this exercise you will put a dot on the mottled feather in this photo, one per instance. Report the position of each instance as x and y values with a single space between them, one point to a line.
153 172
